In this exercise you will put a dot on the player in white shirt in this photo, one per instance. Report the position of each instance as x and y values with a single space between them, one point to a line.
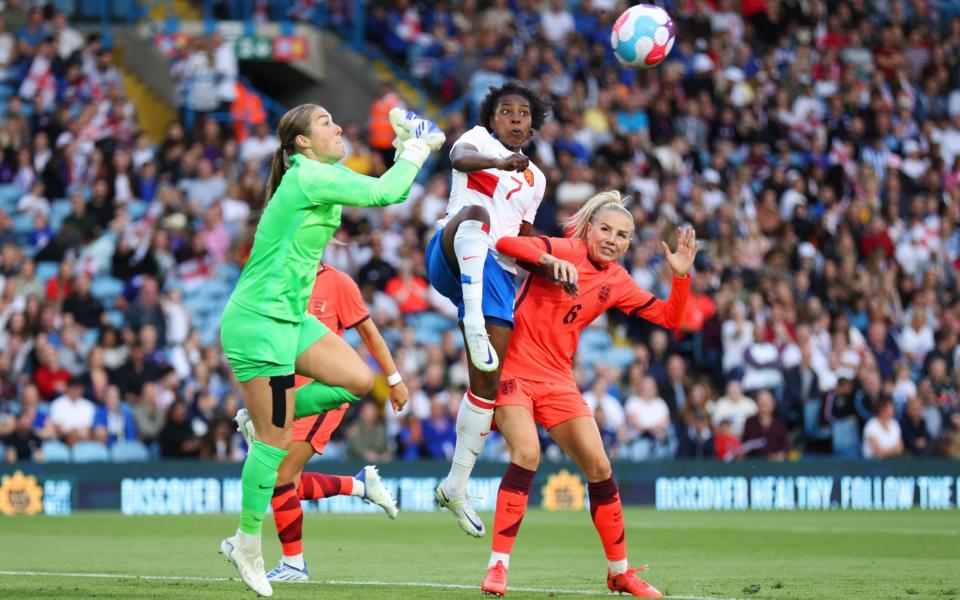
495 192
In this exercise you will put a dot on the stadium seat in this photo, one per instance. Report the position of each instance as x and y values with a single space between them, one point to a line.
812 427
620 357
22 223
129 451
85 452
59 211
136 210
9 194
115 318
47 269
55 451
105 288
846 438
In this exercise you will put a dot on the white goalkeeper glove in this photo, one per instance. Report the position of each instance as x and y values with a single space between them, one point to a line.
414 150
408 124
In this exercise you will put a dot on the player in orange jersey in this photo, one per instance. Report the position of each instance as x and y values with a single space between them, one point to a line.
335 300
537 385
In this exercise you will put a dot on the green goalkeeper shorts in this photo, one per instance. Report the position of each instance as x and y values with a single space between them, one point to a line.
260 346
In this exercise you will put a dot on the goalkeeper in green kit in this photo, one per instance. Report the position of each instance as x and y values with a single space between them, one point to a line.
265 330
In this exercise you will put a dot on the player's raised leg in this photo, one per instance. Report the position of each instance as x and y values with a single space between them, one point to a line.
466 241
473 426
520 432
580 439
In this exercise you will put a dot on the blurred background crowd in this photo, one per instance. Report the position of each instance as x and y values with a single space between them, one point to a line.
814 146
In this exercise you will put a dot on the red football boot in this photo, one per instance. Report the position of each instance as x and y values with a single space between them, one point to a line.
629 583
495 583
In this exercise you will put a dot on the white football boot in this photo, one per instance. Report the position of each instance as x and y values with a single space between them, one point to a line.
374 491
249 567
466 515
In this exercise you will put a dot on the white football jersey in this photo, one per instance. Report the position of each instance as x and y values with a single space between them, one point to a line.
509 197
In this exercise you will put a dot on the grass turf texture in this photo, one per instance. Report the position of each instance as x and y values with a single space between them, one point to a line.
693 555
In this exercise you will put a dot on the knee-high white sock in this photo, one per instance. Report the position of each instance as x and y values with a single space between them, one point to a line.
473 426
471 243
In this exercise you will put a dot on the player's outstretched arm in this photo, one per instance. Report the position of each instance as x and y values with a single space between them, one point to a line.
681 261
536 251
638 302
381 353
466 158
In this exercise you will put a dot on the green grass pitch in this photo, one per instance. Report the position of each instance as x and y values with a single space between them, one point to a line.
421 555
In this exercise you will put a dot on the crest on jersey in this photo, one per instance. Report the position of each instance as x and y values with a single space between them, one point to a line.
508 387
528 175
603 293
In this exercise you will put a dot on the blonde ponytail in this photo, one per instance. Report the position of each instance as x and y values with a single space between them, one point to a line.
608 200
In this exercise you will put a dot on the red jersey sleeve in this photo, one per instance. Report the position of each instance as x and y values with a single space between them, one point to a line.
637 302
532 249
527 249
350 307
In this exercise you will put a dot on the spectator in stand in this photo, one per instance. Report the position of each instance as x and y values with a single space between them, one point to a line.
881 435
673 389
647 415
735 408
259 146
86 310
726 443
51 378
73 415
916 438
764 435
696 438
114 420
23 444
801 386
367 436
410 441
439 430
177 439
148 417
409 290
146 310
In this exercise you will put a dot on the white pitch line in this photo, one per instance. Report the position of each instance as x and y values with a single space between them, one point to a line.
450 586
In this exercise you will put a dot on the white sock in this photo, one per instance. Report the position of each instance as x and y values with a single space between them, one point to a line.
250 544
359 489
618 566
473 426
471 244
295 561
499 556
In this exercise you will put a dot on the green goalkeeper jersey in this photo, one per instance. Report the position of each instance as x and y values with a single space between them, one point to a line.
299 220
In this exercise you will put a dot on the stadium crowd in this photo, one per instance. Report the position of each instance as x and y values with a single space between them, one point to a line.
814 146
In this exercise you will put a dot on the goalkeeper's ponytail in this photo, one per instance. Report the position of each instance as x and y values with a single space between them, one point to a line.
278 166
295 122
576 225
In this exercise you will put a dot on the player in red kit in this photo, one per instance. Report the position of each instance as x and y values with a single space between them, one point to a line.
336 301
537 385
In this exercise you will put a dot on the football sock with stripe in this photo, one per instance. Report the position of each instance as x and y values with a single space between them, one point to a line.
473 426
314 486
511 506
470 243
607 514
288 517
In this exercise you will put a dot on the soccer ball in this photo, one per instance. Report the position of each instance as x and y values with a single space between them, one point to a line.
642 36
